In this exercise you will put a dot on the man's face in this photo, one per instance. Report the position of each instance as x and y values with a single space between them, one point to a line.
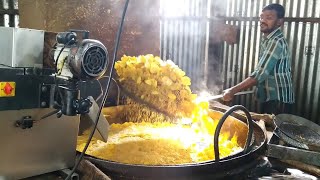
269 21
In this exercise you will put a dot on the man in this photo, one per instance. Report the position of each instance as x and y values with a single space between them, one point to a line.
272 76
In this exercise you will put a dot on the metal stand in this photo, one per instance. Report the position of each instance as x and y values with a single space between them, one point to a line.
65 172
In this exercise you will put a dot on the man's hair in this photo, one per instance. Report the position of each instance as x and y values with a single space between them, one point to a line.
277 7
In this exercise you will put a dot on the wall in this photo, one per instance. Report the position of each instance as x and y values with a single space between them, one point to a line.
101 17
189 35
183 37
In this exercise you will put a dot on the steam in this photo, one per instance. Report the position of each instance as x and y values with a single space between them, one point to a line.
185 42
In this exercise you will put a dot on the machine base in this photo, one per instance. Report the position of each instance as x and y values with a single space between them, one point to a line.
49 145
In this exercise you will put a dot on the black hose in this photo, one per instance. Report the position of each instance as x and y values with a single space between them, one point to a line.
117 42
219 126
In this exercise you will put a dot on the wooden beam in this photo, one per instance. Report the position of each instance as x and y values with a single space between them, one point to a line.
9 11
223 18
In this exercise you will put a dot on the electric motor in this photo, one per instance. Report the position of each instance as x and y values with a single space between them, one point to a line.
84 59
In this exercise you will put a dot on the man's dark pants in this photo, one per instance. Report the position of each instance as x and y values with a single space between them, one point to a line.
276 107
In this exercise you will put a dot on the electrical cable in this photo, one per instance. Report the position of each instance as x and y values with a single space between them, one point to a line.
101 90
56 69
117 42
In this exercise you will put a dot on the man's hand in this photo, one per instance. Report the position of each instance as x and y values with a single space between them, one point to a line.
228 94
245 84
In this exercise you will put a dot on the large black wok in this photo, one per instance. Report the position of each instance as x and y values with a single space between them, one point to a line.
219 168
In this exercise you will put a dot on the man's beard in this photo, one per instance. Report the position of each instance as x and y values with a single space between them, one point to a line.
267 29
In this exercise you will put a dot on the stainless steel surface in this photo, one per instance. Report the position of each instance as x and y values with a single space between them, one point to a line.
21 47
103 125
183 38
48 146
304 43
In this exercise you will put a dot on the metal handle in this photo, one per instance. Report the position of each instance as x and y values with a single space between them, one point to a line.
209 98
219 126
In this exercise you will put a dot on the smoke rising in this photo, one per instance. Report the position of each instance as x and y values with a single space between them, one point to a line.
185 42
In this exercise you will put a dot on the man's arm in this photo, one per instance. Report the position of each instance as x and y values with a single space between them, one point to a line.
268 60
245 84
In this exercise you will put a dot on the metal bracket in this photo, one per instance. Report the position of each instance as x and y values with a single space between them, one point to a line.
65 172
24 122
45 96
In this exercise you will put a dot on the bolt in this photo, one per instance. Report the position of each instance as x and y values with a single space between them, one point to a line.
43 104
43 88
